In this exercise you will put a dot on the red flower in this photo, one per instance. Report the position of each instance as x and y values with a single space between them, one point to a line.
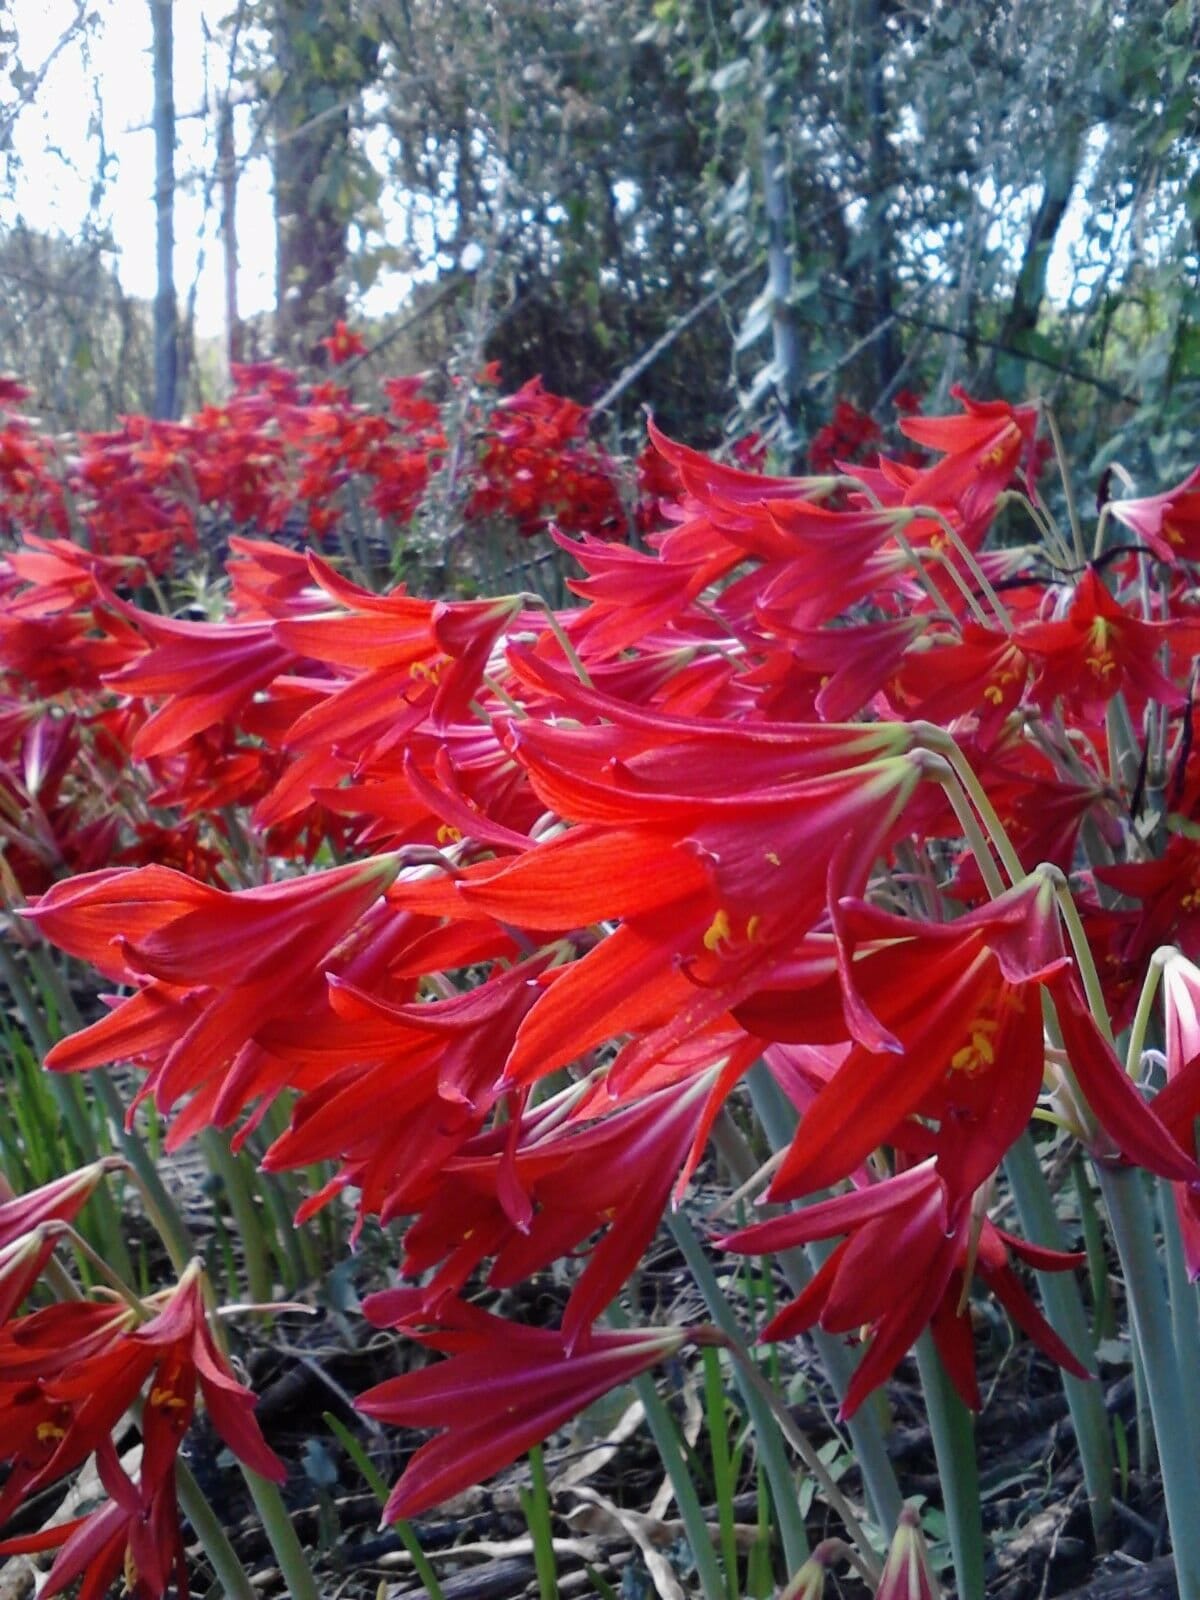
504 1389
930 1239
983 449
342 344
1095 652
1169 522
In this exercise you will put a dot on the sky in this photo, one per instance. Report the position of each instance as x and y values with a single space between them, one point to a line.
58 153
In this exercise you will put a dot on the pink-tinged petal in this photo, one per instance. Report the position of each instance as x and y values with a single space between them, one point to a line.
1126 1118
58 1201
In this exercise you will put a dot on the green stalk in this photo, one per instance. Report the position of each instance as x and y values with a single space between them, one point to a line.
1068 491
1145 1008
232 1174
280 1530
778 1120
1149 1311
940 770
953 1430
969 561
535 1502
770 1443
379 1489
1184 1324
234 1584
68 1096
724 1484
160 1207
670 1451
1065 1313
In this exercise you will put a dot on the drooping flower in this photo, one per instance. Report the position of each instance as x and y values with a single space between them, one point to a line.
911 1245
504 1388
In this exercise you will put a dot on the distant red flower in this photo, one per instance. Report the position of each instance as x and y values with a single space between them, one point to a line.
342 345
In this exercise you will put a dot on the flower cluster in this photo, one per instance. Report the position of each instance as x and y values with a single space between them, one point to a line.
281 456
69 1374
818 777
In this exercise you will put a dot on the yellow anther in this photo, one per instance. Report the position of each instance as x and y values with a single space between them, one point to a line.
980 1053
718 929
448 834
166 1399
49 1430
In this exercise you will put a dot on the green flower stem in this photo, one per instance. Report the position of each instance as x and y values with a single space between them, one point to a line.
1066 1315
866 1436
69 1097
971 564
940 770
234 1584
232 1174
766 1429
1145 1008
280 1530
930 737
1068 491
164 1214
1150 1314
953 1430
666 1439
1185 1327
1092 986
930 588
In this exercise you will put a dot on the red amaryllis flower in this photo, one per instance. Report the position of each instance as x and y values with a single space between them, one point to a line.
529 1196
68 1374
931 1240
951 1019
204 672
27 1235
212 965
1169 523
504 1389
134 1535
1097 650
342 344
983 448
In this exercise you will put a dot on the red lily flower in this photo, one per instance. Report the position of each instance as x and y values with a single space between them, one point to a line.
134 1535
984 448
962 1000
504 1389
212 966
914 1222
1169 522
68 1374
530 1196
1096 651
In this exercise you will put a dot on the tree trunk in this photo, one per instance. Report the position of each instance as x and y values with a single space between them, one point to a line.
227 166
1062 166
166 341
324 63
